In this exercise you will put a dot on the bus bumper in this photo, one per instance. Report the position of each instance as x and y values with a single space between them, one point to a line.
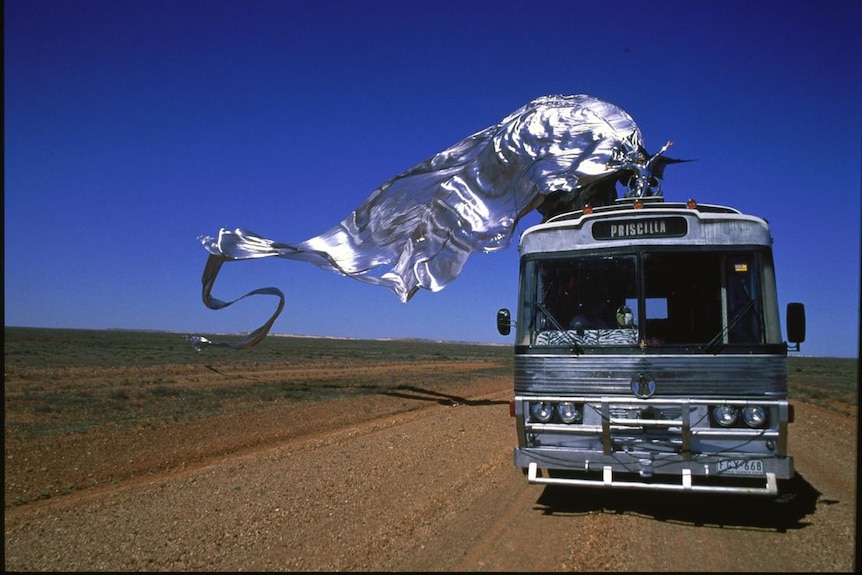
704 474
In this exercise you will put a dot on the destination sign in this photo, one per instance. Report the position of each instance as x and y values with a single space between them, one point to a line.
633 228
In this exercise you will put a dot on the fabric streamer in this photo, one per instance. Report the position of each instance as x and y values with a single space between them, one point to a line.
418 229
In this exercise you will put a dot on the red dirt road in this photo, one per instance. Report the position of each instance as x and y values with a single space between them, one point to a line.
415 480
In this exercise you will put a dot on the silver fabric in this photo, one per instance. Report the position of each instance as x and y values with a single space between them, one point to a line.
418 229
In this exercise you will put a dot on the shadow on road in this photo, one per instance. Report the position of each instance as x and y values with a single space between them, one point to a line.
411 392
797 499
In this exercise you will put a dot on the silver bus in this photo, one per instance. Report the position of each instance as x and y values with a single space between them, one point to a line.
649 352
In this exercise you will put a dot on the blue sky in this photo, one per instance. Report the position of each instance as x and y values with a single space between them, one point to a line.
132 127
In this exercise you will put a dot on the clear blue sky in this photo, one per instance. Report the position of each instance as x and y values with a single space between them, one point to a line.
132 127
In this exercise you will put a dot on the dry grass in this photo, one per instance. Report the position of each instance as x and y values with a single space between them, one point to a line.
825 381
68 381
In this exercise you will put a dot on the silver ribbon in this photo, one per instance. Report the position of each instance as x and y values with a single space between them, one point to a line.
418 229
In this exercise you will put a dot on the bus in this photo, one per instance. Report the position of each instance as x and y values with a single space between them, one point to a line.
648 350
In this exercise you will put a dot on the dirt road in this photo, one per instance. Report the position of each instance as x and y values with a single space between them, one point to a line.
417 480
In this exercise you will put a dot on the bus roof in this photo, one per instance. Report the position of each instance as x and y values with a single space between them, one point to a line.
650 221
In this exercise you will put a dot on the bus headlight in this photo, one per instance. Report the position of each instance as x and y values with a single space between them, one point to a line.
724 415
542 411
569 412
754 416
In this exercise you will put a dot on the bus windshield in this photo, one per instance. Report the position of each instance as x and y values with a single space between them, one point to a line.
647 299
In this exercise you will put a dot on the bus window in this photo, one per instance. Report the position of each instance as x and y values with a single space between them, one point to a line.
743 301
632 305
656 308
702 298
656 320
581 301
683 297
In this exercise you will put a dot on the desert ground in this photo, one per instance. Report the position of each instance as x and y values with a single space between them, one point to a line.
129 451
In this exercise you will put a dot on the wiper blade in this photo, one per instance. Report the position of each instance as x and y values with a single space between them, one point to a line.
716 343
577 349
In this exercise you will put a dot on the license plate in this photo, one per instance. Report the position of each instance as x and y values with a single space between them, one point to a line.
740 467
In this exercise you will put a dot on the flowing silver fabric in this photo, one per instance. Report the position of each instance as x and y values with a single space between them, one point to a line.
418 229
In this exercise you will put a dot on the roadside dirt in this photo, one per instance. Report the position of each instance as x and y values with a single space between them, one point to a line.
410 479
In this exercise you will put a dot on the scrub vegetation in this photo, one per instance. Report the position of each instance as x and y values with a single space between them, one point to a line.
65 381
829 382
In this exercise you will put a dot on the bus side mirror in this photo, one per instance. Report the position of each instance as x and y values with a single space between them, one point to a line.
796 323
504 321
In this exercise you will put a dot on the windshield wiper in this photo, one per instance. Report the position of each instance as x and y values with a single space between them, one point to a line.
717 343
576 349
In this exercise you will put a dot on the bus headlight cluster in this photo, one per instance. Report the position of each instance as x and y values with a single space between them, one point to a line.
564 412
725 415
753 416
569 412
542 411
